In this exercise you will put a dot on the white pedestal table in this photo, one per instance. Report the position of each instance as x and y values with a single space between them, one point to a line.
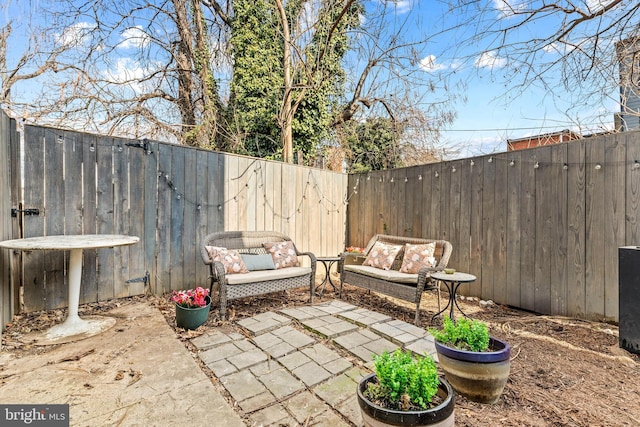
75 244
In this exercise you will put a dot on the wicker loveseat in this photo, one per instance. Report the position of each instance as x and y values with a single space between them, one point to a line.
240 285
404 286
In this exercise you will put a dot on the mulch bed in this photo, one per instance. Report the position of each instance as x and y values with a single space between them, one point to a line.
564 372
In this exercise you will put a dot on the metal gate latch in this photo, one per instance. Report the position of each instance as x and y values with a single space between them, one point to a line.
29 211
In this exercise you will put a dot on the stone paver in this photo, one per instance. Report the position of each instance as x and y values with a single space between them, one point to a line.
363 317
242 385
305 406
355 339
269 415
311 373
336 390
277 379
402 333
329 326
264 322
284 376
424 346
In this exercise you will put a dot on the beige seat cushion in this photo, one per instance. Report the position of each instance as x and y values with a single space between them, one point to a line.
388 275
264 275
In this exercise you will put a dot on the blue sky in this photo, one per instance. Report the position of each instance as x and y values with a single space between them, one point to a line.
492 113
489 116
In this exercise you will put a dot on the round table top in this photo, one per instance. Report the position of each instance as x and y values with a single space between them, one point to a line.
455 277
68 242
328 258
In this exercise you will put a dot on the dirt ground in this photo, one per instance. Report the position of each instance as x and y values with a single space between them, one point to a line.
564 372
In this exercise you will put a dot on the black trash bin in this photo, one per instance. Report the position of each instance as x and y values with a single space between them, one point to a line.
629 297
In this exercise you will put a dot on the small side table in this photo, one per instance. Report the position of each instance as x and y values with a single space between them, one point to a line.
452 282
327 261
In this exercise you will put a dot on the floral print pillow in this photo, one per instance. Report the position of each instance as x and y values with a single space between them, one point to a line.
283 253
382 256
417 257
231 259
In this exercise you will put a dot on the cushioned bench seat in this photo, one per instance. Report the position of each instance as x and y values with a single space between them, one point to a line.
267 275
392 274
236 261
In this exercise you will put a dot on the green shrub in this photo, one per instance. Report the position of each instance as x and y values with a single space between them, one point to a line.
464 334
404 382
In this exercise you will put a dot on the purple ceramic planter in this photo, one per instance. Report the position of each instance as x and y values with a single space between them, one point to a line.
501 350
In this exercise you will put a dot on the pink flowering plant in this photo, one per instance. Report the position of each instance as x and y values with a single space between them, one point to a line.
192 298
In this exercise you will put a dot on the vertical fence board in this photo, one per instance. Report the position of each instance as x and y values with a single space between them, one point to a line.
55 288
177 248
137 166
513 235
500 226
489 232
33 280
476 253
191 220
576 226
121 223
89 288
528 231
632 193
559 235
105 217
595 217
165 196
437 219
614 219
151 214
7 169
74 215
232 173
464 229
543 231
416 194
203 209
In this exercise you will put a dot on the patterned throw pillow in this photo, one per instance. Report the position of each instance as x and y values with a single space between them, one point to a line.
283 253
382 256
230 259
417 257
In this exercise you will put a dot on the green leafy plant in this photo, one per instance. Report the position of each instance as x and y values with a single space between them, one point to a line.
403 382
464 334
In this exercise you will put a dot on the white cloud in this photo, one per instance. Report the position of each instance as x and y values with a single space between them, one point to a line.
490 60
134 37
595 5
429 64
76 35
401 6
127 71
508 8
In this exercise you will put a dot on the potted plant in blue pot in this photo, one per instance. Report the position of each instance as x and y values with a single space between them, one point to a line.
475 364
192 307
405 391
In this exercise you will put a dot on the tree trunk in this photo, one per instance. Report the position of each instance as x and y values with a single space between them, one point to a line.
285 118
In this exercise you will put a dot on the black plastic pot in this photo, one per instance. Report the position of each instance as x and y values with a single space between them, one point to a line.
440 416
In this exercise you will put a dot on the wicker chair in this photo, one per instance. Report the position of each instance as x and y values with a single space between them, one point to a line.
233 286
393 283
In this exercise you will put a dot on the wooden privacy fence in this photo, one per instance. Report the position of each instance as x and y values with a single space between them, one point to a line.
7 133
540 228
170 196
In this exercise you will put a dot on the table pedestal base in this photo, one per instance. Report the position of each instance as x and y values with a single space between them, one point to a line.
74 329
